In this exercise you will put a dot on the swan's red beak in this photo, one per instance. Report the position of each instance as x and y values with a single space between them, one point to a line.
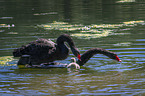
117 58
79 57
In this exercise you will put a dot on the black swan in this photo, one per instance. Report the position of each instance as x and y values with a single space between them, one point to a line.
84 58
88 54
45 51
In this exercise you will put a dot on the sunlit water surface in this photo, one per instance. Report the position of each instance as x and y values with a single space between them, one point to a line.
20 23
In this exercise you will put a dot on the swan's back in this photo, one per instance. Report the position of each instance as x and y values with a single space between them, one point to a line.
42 41
40 47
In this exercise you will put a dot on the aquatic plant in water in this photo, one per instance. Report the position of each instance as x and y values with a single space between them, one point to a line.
123 44
6 60
6 25
125 1
89 31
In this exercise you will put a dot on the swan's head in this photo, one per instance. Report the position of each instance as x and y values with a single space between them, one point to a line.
73 60
76 52
117 58
114 56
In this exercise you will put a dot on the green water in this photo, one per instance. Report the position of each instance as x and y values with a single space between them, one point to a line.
114 25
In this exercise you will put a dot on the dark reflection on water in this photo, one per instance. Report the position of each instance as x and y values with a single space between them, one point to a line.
101 75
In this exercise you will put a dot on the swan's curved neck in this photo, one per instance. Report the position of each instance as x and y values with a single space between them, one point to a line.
60 43
65 38
88 54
